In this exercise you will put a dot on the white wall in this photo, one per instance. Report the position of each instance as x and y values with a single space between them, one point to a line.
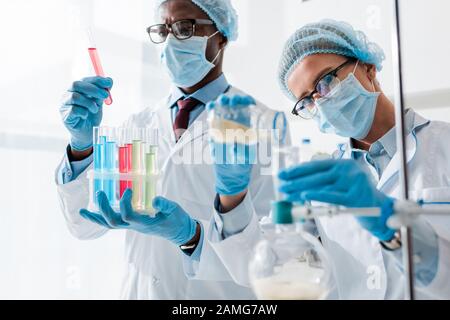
43 50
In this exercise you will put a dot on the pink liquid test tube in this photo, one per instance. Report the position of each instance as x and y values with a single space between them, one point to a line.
129 162
123 167
95 59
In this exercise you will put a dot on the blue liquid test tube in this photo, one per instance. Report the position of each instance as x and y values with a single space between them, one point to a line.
99 162
98 167
109 186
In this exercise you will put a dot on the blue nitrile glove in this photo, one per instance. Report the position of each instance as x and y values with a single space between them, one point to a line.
339 182
233 162
232 166
170 222
83 110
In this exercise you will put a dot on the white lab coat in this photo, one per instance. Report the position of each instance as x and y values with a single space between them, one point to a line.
156 269
361 268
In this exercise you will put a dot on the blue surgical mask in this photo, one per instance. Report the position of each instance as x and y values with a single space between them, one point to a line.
185 60
348 110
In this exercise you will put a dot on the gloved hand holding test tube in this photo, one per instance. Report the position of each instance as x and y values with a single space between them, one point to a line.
96 63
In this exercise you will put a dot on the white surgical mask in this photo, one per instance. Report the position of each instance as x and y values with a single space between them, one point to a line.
349 110
185 60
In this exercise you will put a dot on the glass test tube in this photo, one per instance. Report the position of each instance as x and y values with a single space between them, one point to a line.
124 158
129 147
110 167
138 168
96 62
123 168
97 65
151 169
110 164
98 163
283 158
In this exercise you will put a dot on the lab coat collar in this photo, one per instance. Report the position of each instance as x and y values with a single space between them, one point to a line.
393 167
206 94
388 142
414 122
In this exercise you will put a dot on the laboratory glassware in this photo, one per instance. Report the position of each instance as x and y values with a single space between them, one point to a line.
96 63
125 158
290 263
246 124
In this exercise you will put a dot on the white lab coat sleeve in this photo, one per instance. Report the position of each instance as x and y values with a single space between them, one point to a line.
438 287
434 192
225 259
74 196
208 265
236 250
232 222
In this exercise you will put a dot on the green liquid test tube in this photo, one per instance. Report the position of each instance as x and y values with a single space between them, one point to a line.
150 183
137 167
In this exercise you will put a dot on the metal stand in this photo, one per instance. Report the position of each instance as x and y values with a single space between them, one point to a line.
406 232
405 212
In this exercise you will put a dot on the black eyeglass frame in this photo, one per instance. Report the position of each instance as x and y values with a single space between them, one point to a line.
332 73
169 29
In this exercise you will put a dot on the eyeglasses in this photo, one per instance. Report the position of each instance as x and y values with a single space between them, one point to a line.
182 29
306 107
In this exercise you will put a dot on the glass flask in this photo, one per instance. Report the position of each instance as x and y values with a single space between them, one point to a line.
246 124
290 263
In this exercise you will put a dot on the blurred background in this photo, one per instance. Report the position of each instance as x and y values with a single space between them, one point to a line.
44 49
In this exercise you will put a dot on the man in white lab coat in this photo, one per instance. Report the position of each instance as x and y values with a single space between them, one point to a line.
329 70
168 256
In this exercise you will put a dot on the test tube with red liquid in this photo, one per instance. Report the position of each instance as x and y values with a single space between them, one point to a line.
123 168
96 63
129 147
125 158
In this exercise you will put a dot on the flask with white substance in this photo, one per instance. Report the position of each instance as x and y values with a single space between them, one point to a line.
290 264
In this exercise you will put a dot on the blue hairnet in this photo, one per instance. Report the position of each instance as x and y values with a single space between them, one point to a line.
326 36
221 12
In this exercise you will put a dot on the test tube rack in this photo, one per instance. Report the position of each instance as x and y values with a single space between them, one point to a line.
124 158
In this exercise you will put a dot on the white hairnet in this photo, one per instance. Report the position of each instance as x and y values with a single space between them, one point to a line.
221 12
326 36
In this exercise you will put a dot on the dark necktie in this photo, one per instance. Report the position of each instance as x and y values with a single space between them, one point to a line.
182 118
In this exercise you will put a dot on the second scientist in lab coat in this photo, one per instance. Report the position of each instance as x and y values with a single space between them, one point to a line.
165 254
329 70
